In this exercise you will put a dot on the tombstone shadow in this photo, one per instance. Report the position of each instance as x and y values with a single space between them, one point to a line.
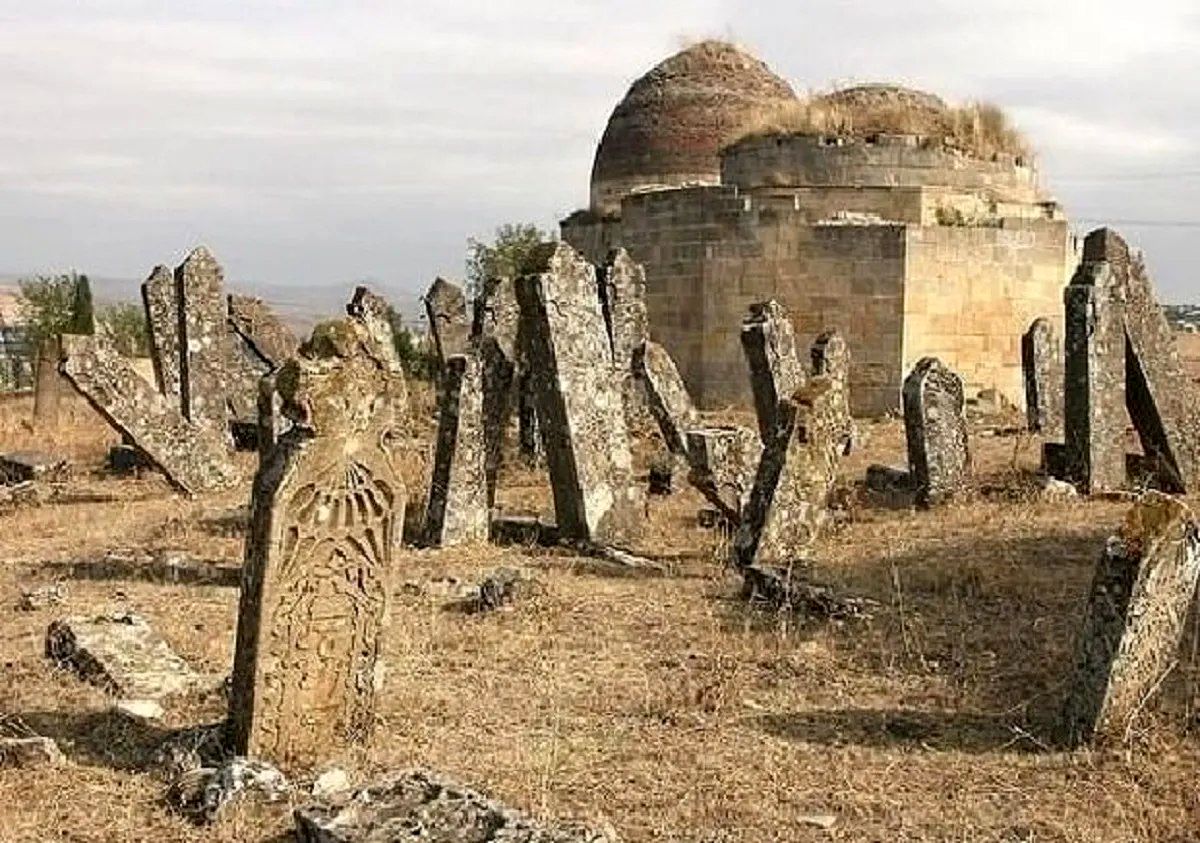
100 738
157 569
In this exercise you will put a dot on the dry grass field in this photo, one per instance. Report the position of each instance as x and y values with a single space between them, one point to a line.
660 705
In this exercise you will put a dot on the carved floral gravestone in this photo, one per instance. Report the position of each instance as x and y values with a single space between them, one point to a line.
935 426
1142 591
458 510
769 342
789 501
327 511
580 406
1042 367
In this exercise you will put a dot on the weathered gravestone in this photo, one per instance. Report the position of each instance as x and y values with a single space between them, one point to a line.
204 376
1094 372
449 322
666 395
935 427
769 342
458 510
1042 366
194 458
723 461
262 332
375 314
326 517
580 407
831 358
789 501
1141 594
160 299
496 331
622 288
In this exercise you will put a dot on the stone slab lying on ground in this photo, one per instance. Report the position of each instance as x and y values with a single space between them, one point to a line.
421 806
122 654
723 461
203 793
21 466
193 458
41 597
789 590
29 752
1143 588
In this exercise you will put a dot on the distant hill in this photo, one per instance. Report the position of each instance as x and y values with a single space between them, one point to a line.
300 306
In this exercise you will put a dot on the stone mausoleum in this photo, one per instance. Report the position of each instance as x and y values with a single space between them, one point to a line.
907 243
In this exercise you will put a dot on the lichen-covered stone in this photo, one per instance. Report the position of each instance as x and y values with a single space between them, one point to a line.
204 378
935 427
789 501
776 371
195 459
161 302
122 654
327 511
263 332
416 805
622 288
580 407
1140 597
831 358
508 385
1042 366
1094 373
375 314
723 461
667 396
449 322
458 510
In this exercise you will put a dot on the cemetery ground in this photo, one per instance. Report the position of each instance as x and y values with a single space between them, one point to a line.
660 705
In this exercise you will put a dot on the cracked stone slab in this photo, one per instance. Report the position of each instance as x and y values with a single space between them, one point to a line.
723 461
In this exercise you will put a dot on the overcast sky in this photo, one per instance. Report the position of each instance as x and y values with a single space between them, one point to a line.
329 140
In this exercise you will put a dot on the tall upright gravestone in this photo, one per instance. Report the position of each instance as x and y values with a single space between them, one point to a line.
326 517
160 298
458 509
1143 587
935 428
769 342
449 322
203 373
830 356
580 406
1042 367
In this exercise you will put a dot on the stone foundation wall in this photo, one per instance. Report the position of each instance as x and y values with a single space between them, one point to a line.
970 293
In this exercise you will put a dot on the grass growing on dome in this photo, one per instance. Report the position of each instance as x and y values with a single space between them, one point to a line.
979 128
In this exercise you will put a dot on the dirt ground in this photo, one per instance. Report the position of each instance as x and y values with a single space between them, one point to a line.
659 705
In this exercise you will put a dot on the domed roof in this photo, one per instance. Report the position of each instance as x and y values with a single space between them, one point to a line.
672 123
886 108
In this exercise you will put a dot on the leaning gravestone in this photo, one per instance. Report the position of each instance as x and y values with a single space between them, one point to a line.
831 358
161 303
769 341
935 426
261 330
1094 372
458 510
203 362
1141 594
790 499
449 322
194 458
326 515
580 406
1042 366
666 395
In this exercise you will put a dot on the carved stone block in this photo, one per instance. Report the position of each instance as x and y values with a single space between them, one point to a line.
935 427
723 461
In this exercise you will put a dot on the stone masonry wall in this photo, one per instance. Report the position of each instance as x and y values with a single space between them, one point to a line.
971 292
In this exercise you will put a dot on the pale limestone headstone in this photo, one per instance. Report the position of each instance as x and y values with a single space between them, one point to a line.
580 407
204 377
666 395
449 322
1141 594
327 511
458 510
263 332
831 358
723 461
622 288
776 370
935 426
194 458
161 302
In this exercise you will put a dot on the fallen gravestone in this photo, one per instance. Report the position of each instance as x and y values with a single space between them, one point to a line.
458 511
580 406
769 342
420 806
326 514
193 458
121 654
1042 366
1143 588
723 461
789 501
786 589
935 427
29 752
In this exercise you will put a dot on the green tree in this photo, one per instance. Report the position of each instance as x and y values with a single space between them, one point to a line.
125 324
48 303
517 249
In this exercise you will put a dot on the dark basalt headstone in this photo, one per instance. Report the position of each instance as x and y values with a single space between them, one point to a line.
935 427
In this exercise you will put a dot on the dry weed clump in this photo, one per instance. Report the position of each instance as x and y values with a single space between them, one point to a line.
981 129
